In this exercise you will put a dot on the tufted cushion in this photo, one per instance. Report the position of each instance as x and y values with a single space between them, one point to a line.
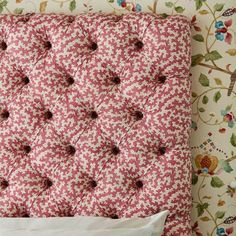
94 116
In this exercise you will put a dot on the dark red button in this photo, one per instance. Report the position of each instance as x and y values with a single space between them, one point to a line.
4 184
26 80
48 115
162 150
94 115
139 45
48 183
93 184
71 150
162 79
27 149
116 80
48 45
139 184
5 115
70 80
94 46
138 115
114 217
71 19
3 46
115 150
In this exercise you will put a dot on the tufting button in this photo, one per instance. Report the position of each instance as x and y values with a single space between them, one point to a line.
162 150
162 79
48 183
4 184
115 150
70 150
139 184
139 44
114 217
94 115
48 115
26 215
71 19
138 115
27 149
3 46
5 115
116 80
26 80
48 45
94 46
93 184
70 80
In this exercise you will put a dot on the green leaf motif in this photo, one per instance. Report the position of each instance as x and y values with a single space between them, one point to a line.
196 59
72 5
179 9
203 12
2 5
194 179
219 7
194 95
205 218
18 11
217 96
203 80
212 56
201 109
220 214
205 99
201 208
225 166
198 37
233 140
110 1
216 182
169 4
218 81
198 4
228 108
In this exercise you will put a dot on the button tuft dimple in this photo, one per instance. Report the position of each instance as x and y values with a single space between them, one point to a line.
48 115
94 115
162 150
3 46
162 79
70 80
48 183
138 115
71 19
139 184
114 217
93 184
48 45
27 149
139 44
115 150
116 80
94 46
26 80
5 115
71 150
4 184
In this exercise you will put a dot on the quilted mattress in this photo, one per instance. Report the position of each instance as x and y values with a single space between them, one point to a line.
94 116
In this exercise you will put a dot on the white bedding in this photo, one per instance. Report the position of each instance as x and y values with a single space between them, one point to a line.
83 226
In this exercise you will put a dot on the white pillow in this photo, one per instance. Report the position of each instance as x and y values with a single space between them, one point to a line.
84 226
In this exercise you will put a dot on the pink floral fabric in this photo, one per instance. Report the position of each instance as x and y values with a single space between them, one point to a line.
94 116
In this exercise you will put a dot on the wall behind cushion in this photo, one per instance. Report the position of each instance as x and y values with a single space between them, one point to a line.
213 138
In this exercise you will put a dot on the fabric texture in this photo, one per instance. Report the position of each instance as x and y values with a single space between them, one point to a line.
84 226
95 116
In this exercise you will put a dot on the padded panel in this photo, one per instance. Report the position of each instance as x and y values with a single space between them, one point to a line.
95 116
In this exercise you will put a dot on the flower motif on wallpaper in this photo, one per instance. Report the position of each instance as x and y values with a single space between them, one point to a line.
206 164
130 6
222 31
228 117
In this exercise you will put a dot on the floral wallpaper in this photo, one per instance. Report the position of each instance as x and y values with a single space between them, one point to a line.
213 73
